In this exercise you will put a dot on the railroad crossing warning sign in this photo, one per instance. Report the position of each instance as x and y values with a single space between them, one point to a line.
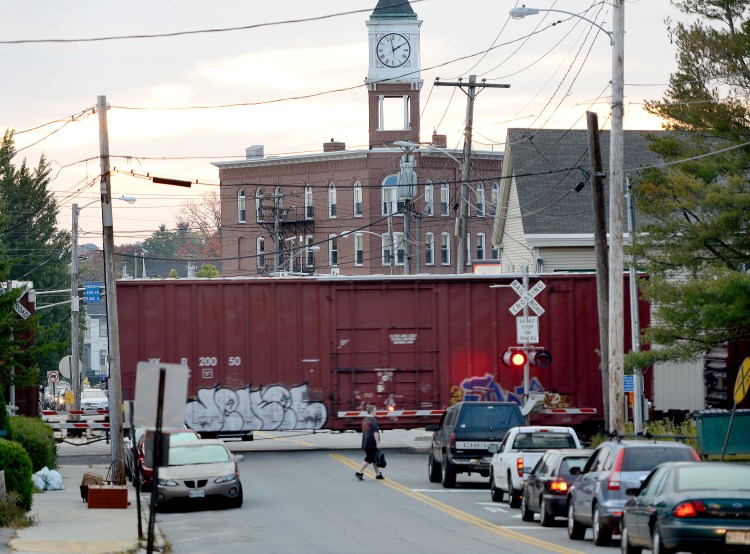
527 297
53 377
742 384
527 330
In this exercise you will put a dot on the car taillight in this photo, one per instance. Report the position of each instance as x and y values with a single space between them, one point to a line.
613 483
519 466
695 455
559 485
453 440
690 508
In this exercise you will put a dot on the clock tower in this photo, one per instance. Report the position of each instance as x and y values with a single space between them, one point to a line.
393 82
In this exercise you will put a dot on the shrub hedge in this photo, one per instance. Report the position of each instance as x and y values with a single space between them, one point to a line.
16 464
36 438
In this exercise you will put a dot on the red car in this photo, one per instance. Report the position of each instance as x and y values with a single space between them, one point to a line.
145 456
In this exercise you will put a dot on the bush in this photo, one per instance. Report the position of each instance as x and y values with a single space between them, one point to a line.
17 466
4 419
12 515
36 438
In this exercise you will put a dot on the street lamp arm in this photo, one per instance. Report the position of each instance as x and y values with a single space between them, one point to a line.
523 11
414 145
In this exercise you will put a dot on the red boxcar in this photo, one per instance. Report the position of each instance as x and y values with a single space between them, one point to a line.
310 353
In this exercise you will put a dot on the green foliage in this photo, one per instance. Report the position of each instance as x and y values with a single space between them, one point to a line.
4 417
207 271
16 463
172 274
12 515
662 429
36 438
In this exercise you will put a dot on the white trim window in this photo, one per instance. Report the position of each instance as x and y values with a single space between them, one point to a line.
468 249
445 249
309 210
309 253
494 198
359 250
481 242
260 249
389 195
259 212
241 206
358 199
495 252
386 249
429 199
445 196
429 249
398 238
332 200
333 251
480 200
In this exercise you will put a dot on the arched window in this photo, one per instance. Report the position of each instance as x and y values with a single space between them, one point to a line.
429 199
429 249
308 202
494 198
241 210
445 248
357 199
480 246
260 255
260 214
332 201
480 200
445 196
389 193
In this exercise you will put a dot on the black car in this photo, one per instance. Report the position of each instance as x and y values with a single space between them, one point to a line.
460 442
546 489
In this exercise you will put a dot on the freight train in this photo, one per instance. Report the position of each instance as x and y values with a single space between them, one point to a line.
310 353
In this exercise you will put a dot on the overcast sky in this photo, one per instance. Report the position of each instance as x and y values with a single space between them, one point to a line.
556 72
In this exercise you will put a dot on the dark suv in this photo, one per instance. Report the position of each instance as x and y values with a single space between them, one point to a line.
460 442
597 496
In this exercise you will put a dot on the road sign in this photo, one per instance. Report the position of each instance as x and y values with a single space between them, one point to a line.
147 398
53 377
527 298
742 384
93 292
629 384
527 330
64 366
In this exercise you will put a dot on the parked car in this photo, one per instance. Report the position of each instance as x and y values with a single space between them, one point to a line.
94 399
460 443
200 470
695 507
598 495
546 489
55 401
521 449
145 448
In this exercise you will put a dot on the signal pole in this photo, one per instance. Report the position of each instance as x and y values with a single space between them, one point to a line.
462 222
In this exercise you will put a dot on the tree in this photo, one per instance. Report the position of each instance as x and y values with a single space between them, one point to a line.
204 218
208 271
695 245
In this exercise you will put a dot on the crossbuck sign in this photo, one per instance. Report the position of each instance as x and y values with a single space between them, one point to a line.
527 298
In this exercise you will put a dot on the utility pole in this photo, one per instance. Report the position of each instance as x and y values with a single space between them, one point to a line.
635 318
600 249
108 243
74 312
462 222
616 217
407 183
393 244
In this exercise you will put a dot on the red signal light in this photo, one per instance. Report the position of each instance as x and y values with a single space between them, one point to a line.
515 358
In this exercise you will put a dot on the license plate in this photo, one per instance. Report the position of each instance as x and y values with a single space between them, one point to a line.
197 493
737 537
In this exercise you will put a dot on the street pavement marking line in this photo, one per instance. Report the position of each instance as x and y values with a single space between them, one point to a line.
460 514
269 436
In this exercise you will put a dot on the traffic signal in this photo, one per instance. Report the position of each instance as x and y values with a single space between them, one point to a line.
540 358
515 358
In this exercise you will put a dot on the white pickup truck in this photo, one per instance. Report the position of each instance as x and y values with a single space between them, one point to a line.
516 456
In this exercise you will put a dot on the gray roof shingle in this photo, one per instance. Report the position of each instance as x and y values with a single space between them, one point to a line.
393 8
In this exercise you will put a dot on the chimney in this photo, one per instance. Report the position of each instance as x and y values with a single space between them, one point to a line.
254 151
334 146
440 141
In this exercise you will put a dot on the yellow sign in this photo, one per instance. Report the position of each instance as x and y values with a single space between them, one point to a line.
742 384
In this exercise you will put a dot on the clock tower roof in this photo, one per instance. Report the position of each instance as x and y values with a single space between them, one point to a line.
393 9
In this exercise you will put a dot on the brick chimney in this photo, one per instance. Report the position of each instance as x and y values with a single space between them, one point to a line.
334 146
440 141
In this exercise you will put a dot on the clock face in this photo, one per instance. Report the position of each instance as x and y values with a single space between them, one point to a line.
393 50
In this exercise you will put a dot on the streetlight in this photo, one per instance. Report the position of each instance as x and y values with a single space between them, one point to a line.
616 369
308 249
75 361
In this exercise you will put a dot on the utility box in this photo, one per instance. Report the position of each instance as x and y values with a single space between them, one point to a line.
711 431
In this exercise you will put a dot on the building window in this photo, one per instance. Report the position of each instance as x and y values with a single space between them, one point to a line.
357 199
480 246
429 249
389 193
331 200
102 326
359 251
387 250
333 252
308 202
398 239
429 199
259 213
494 198
241 210
444 198
445 249
480 200
468 249
260 246
102 360
309 253
495 252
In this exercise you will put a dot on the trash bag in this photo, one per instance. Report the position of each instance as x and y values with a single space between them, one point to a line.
47 479
39 483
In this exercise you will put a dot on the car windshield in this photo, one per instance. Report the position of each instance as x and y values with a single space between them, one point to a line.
727 478
573 461
543 441
488 417
197 454
646 458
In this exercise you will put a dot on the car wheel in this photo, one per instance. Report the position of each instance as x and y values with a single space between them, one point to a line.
625 545
433 469
514 496
547 519
448 475
657 544
576 530
602 533
526 514
496 494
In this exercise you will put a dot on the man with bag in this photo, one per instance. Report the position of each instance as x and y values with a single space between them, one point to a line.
370 444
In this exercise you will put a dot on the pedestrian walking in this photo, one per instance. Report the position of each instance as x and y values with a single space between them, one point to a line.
370 444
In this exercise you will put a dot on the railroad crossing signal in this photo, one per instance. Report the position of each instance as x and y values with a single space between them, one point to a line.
515 358
527 297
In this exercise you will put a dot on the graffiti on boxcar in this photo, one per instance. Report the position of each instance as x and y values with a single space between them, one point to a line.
271 408
487 389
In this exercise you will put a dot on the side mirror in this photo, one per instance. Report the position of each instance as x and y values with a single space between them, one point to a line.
239 458
633 491
575 470
494 448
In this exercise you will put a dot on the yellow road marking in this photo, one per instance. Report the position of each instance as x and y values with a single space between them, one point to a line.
269 436
460 514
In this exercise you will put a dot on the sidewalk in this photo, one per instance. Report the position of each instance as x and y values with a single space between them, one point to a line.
65 524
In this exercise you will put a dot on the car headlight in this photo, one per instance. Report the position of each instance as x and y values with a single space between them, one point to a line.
226 478
166 482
